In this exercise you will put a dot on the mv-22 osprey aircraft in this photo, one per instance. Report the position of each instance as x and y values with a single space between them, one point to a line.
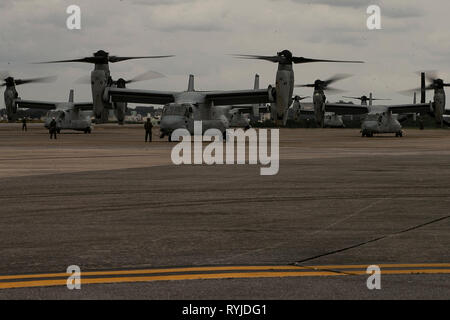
212 107
68 115
101 79
383 118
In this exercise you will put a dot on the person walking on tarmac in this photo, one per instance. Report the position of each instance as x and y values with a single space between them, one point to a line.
148 126
52 128
24 124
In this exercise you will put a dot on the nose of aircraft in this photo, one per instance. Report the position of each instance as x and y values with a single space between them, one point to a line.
170 123
370 125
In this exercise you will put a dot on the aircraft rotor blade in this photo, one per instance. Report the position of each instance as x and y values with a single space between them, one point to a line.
84 60
114 59
267 58
19 82
310 85
411 91
336 77
357 98
150 75
298 60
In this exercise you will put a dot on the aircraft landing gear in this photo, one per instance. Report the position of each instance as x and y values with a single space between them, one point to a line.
367 134
87 130
399 134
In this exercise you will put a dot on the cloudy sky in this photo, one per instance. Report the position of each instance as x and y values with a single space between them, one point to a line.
203 33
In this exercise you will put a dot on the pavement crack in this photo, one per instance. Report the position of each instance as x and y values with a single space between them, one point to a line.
371 241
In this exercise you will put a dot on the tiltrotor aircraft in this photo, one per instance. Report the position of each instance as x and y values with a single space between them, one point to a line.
378 119
285 80
181 109
319 98
437 85
101 79
68 115
11 94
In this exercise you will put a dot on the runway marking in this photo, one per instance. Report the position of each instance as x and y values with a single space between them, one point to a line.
235 272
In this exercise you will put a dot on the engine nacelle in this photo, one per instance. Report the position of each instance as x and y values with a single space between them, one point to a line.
10 96
99 81
272 94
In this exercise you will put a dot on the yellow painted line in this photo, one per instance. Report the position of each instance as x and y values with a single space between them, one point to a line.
152 271
62 282
59 282
225 268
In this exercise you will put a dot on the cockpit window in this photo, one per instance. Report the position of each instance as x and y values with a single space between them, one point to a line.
56 114
175 110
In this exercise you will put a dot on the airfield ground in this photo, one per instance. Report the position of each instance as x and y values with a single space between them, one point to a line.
108 201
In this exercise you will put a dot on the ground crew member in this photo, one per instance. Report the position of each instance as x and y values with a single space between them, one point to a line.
52 128
24 124
148 126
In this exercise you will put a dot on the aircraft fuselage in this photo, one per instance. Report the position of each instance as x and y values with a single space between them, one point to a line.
68 118
376 123
284 91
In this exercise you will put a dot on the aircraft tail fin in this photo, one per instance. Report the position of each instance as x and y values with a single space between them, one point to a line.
191 85
256 87
423 96
71 95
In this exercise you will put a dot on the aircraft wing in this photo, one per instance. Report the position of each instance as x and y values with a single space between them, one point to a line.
33 104
410 108
226 98
249 108
83 106
141 96
342 108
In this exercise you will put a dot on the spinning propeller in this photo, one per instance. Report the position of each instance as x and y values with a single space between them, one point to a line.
286 57
121 82
324 85
364 98
9 81
435 83
103 57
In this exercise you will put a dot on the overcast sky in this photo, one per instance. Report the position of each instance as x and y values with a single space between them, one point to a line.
203 33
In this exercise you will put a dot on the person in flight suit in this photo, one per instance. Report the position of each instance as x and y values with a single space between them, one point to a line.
52 128
148 126
24 124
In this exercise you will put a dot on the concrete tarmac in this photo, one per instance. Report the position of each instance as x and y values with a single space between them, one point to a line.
109 201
